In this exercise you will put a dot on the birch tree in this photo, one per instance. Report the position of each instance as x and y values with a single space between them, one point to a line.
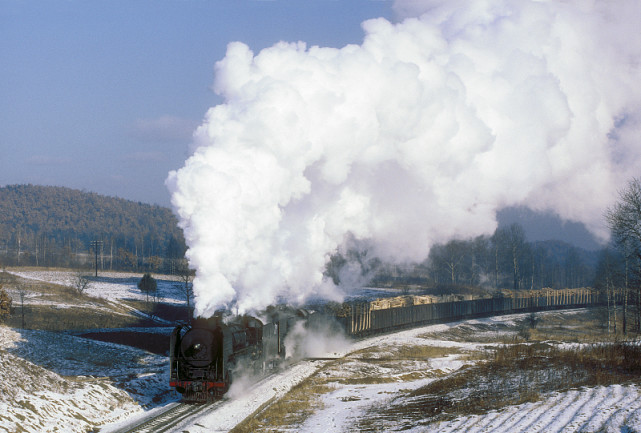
624 221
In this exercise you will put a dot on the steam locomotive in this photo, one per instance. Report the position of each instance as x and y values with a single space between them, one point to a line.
205 355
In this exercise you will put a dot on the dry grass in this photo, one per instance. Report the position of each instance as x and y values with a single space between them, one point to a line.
578 326
511 375
80 311
488 333
60 292
292 409
378 365
587 326
400 353
50 318
424 352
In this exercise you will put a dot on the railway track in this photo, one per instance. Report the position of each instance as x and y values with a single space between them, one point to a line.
176 413
169 419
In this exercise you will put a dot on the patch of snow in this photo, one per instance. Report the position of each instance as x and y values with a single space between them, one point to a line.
615 408
60 382
113 286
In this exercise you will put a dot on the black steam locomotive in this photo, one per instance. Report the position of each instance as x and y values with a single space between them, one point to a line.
203 357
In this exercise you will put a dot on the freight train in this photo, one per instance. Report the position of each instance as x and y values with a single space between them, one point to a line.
205 355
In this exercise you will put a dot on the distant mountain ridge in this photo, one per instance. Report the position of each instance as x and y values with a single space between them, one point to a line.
60 217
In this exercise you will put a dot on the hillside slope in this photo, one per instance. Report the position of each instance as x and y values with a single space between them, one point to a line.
36 220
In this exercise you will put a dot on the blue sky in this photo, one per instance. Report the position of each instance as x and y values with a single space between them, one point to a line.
103 95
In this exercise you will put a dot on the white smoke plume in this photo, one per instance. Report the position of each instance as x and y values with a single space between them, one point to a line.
419 134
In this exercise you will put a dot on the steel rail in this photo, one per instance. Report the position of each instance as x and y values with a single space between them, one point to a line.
168 419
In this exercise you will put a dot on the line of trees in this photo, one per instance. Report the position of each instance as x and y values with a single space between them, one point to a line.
503 261
506 260
115 252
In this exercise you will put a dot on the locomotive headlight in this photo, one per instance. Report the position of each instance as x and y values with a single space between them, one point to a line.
194 350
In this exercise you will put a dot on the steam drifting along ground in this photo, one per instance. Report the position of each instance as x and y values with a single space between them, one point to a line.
418 135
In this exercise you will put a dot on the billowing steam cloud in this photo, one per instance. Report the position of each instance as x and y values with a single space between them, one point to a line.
418 135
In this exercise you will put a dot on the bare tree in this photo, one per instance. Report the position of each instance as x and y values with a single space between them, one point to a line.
516 245
624 221
608 278
510 252
81 283
450 260
186 287
481 260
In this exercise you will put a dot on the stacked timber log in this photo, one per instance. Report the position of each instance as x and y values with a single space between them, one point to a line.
402 311
402 301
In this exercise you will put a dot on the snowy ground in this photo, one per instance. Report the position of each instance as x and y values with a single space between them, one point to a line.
341 406
57 382
112 286
614 408
61 382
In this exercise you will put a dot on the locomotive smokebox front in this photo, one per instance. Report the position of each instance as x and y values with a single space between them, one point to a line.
200 347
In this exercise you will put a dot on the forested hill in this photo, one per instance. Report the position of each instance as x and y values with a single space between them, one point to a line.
64 221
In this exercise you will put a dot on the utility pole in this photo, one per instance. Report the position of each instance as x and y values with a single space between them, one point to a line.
22 295
22 292
96 245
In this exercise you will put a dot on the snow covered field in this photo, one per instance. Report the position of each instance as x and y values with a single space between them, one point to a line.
613 409
109 291
112 286
62 382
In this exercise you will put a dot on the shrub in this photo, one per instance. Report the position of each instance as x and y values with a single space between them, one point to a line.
147 285
5 304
